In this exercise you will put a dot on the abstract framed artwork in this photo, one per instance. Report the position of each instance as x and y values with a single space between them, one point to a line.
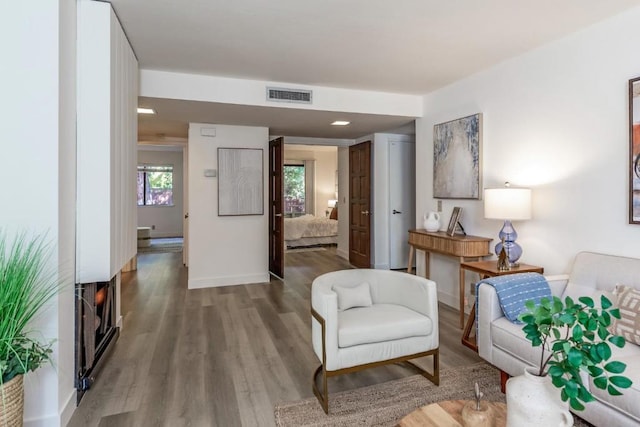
240 181
457 158
634 151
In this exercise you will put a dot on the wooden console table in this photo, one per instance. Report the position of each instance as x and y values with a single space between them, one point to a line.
460 246
486 269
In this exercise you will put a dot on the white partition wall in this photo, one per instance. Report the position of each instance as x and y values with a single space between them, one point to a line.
107 152
224 250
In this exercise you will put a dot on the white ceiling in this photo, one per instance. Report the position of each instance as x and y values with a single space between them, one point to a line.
406 46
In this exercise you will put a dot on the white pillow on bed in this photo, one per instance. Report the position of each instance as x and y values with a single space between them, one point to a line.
353 296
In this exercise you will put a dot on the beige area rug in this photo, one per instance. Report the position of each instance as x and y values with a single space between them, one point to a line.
387 403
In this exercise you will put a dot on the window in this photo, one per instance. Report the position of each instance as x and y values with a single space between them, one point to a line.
294 190
155 185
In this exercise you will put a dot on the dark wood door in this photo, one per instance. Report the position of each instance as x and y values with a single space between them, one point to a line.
276 207
360 205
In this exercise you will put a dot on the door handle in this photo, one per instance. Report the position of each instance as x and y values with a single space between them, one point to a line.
396 212
364 212
277 214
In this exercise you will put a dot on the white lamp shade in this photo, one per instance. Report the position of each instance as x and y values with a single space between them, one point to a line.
332 203
507 203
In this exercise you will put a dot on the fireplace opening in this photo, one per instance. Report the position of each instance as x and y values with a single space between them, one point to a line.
95 329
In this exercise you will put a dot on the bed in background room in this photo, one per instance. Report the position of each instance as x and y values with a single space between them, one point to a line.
310 230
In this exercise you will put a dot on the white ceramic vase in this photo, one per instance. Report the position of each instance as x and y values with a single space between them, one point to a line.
532 401
431 221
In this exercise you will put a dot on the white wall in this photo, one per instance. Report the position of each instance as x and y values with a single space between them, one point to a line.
196 87
224 250
343 202
38 127
555 120
326 165
166 219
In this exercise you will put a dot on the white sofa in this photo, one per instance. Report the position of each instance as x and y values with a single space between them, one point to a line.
398 323
503 343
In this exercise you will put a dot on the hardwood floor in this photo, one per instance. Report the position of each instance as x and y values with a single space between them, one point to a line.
223 356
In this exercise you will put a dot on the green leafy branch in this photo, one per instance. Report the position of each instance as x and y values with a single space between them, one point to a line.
576 338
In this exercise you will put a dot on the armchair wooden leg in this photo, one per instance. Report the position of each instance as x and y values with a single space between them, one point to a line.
323 397
435 377
503 380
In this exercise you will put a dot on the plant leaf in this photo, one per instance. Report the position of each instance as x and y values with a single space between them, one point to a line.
577 333
588 301
617 340
600 382
576 405
615 367
595 371
603 350
604 302
574 357
620 381
613 391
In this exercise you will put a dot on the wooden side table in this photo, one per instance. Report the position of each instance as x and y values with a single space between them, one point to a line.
449 413
459 246
486 269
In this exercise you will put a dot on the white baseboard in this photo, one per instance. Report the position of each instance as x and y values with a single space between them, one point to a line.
381 266
69 408
212 282
342 253
119 322
57 421
450 300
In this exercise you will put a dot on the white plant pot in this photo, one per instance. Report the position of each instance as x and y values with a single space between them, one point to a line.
532 401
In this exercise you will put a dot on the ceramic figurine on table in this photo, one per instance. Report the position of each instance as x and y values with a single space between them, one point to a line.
477 413
431 221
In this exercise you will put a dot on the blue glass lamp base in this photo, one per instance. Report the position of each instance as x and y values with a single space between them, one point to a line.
508 235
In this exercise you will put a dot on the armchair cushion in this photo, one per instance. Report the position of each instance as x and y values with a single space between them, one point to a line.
380 323
353 296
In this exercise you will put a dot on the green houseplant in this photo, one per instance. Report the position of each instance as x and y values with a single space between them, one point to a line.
575 337
26 285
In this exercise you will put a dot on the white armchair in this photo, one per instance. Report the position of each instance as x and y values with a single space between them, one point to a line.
399 323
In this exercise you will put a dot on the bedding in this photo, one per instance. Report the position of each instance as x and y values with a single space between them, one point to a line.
309 226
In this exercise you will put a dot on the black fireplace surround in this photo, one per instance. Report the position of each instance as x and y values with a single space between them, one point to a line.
96 330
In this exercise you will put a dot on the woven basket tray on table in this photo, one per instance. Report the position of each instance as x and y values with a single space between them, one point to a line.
12 402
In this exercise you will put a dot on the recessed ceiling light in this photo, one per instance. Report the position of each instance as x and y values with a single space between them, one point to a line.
340 123
142 110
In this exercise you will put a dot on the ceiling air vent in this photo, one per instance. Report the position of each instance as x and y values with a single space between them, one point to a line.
279 94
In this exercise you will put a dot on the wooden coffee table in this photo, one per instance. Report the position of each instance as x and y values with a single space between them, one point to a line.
448 413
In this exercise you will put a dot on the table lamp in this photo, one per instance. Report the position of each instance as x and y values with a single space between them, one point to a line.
331 204
508 204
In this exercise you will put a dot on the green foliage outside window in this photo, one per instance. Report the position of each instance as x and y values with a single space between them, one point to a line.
294 188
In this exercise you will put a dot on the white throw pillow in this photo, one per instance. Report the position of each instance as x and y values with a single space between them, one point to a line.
353 296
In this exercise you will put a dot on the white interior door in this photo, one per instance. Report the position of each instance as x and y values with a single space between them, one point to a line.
402 193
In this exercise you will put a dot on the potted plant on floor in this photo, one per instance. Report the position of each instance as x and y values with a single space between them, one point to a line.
26 285
574 338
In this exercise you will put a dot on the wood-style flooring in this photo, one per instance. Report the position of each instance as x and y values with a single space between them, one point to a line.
223 356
